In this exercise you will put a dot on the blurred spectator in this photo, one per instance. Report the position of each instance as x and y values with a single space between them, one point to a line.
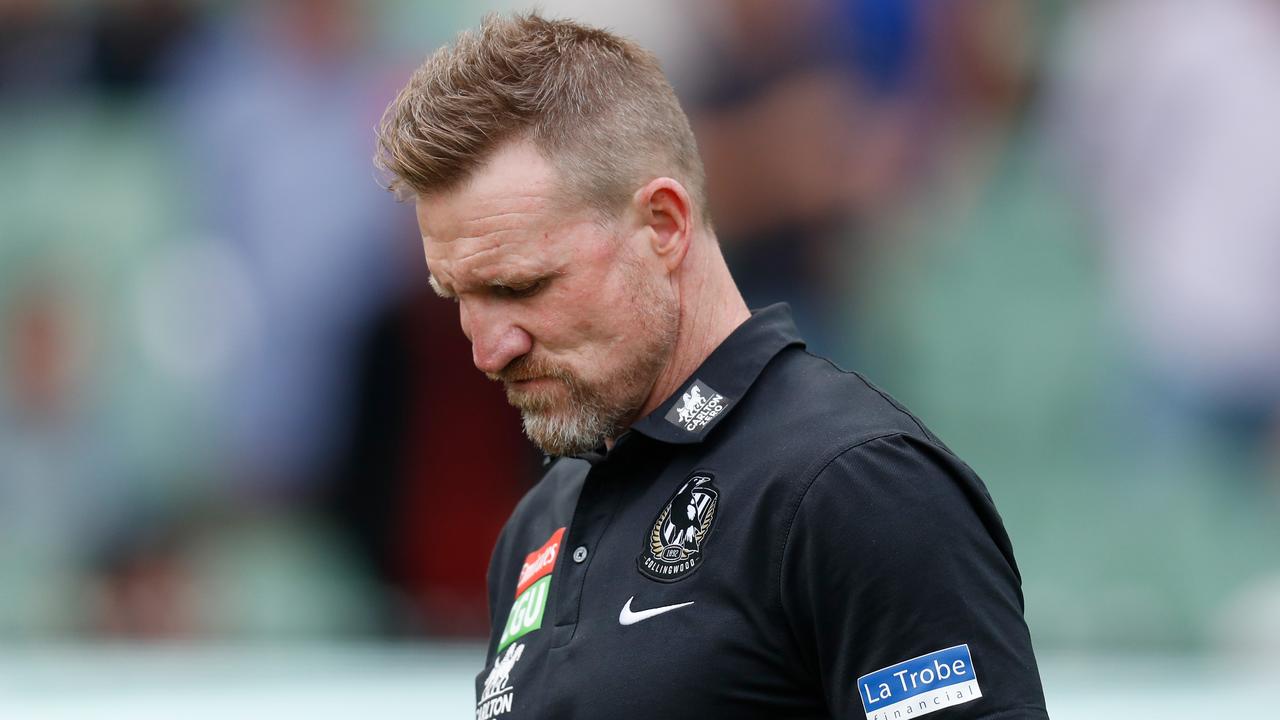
115 46
140 585
46 439
800 137
43 49
131 41
1168 113
275 110
58 473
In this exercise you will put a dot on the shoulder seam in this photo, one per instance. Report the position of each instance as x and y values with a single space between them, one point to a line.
892 403
895 405
828 361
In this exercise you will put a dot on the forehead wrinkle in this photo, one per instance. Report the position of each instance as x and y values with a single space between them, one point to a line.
513 196
505 270
469 216
481 226
492 217
502 223
499 202
460 248
487 261
467 247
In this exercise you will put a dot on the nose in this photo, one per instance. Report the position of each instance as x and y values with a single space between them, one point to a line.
495 339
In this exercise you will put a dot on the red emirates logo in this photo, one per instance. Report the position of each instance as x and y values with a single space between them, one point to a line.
539 563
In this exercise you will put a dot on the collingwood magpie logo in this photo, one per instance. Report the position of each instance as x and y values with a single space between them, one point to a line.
675 544
698 406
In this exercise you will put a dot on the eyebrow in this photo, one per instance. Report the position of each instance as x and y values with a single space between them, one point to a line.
441 290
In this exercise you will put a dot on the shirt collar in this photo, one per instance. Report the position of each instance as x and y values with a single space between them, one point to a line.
709 395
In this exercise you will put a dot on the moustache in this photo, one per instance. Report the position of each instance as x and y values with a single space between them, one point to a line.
528 367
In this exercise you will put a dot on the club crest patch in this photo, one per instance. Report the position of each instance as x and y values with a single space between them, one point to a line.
674 546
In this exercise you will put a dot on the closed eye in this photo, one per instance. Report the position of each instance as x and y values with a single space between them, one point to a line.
518 290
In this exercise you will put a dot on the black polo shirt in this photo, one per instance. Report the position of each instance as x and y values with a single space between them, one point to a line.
780 539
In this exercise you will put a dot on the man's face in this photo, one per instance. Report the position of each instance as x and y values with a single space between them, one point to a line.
569 313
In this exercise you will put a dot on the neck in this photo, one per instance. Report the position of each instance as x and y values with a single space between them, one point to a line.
710 309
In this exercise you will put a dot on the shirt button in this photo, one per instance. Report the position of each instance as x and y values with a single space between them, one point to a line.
580 554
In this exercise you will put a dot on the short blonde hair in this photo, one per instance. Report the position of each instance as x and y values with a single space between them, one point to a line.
596 105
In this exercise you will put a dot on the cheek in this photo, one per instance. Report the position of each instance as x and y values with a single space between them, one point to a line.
575 315
593 313
603 323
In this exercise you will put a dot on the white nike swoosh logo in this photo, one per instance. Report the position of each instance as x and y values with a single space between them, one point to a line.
629 617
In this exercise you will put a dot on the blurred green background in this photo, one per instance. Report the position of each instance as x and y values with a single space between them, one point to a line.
236 433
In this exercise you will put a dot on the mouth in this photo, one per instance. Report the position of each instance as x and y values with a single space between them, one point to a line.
529 383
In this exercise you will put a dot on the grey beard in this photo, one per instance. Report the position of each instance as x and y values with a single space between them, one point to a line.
582 430
592 416
583 423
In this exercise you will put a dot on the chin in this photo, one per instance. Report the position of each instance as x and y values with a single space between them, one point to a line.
561 433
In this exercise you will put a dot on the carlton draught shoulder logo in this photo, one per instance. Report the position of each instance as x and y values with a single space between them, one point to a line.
697 407
675 544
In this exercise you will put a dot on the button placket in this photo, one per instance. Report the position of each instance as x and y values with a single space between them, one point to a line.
597 503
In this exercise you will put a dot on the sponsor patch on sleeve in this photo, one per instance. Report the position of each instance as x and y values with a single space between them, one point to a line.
920 685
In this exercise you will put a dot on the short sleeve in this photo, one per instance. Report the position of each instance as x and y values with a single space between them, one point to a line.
901 589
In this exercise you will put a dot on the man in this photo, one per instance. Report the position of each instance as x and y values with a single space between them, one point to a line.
733 527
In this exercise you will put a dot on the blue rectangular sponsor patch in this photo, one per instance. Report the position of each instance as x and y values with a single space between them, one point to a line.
920 685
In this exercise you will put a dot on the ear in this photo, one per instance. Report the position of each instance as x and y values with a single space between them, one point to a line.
667 212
